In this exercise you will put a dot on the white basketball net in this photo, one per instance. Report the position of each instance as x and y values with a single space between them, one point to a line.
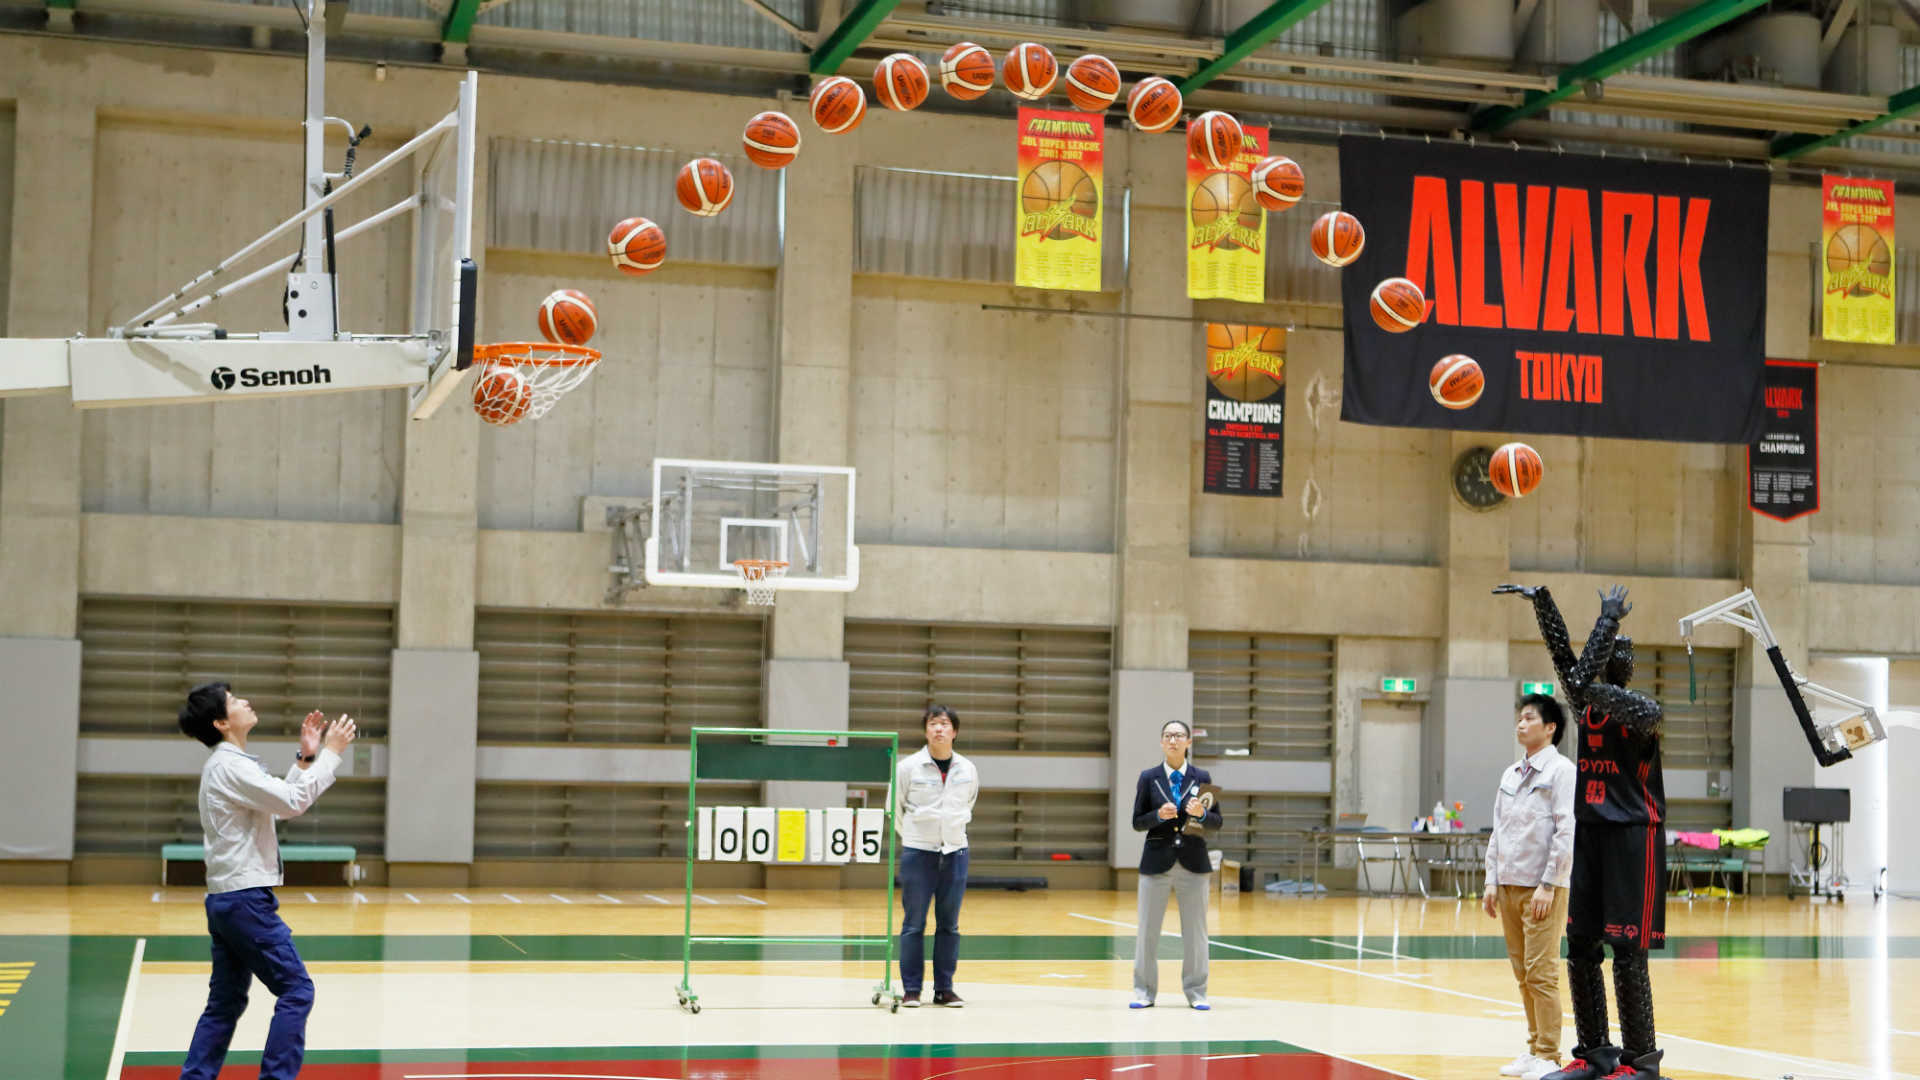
548 373
761 579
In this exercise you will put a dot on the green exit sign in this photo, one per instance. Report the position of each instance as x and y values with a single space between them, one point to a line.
1537 688
1398 686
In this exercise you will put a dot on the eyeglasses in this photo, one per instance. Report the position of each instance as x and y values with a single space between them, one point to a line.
1172 736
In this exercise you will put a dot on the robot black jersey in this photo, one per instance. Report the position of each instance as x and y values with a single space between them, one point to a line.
1620 779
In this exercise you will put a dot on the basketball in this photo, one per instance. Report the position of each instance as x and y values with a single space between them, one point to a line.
1515 470
1224 193
966 71
772 140
1214 138
1092 83
704 187
1029 71
567 317
501 395
1244 382
1154 105
1398 305
1456 381
900 82
1055 182
1858 245
637 246
1337 238
838 105
1278 183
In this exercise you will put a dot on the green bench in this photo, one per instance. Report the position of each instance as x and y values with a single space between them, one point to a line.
289 853
1682 867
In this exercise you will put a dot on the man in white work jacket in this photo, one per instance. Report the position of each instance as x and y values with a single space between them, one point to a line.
934 792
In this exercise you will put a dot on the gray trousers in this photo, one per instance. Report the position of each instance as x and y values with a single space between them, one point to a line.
1191 889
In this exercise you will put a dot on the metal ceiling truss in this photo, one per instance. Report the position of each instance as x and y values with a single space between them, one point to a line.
1813 121
1272 21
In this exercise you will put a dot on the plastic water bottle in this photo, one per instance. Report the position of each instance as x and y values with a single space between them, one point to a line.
1439 819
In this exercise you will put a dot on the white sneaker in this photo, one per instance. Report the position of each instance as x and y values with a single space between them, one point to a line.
1540 1068
1518 1066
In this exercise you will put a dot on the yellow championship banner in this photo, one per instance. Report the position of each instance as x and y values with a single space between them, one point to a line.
1057 203
1856 267
1226 228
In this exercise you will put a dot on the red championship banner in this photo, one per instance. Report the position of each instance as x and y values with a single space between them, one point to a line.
1057 208
1857 258
1226 229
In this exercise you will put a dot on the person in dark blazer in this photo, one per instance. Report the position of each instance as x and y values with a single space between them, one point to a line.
1172 861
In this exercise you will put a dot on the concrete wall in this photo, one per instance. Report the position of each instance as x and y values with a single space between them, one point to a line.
1016 467
976 428
6 209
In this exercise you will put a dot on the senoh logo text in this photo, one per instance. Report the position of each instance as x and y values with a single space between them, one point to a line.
225 378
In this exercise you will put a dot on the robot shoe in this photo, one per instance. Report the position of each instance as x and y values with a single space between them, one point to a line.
1644 1066
1597 1063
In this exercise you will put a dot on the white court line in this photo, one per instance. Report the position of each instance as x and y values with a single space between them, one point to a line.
560 898
1133 1068
125 1026
653 898
311 899
749 899
1403 981
608 899
513 898
156 896
1361 948
461 898
705 899
362 899
1226 1057
411 897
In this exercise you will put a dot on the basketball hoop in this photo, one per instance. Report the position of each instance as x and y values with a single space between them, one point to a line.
523 380
761 579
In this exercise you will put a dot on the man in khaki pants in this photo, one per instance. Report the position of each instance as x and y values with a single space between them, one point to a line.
1529 859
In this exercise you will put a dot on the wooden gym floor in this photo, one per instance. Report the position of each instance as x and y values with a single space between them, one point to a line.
580 984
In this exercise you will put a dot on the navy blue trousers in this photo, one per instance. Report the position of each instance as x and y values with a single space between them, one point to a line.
248 940
928 876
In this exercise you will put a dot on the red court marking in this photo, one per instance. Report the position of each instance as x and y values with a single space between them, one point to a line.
1167 1067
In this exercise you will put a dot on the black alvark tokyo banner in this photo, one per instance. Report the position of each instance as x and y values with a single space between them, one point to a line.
1246 409
1601 296
1783 467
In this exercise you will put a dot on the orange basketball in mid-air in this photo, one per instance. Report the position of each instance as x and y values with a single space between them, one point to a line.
771 140
1278 183
1154 105
1246 381
838 105
1398 305
1337 238
637 246
900 82
704 187
1456 381
1029 71
1214 138
966 71
1092 83
567 317
1515 470
501 395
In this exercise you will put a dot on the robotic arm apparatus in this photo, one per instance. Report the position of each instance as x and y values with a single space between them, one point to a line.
1830 742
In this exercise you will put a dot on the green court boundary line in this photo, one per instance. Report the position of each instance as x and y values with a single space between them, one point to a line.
747 1051
650 948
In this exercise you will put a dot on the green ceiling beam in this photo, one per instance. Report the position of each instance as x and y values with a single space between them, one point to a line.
1899 106
1652 41
854 29
1277 19
68 4
459 25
